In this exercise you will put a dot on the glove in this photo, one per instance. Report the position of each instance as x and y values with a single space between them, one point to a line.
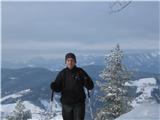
53 85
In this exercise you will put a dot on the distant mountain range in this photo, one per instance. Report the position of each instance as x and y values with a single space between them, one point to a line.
146 61
33 78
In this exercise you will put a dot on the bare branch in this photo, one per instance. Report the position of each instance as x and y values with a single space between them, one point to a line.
118 6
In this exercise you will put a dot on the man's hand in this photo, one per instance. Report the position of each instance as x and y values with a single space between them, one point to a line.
53 85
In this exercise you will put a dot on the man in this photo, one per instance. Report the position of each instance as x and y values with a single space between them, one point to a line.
71 82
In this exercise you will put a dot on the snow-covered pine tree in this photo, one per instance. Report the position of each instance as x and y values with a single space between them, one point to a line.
20 113
115 99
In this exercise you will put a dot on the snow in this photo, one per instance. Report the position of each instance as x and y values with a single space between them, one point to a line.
154 54
58 117
13 78
16 95
47 105
144 81
145 111
144 107
145 87
35 110
142 58
147 56
30 65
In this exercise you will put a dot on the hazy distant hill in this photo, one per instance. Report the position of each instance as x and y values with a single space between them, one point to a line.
146 61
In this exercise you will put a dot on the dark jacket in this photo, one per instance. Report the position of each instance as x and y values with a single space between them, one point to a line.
71 84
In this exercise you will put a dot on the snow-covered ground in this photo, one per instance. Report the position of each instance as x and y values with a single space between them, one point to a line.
144 106
145 111
16 95
144 86
52 106
37 112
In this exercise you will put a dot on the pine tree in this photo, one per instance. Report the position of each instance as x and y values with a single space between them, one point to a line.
20 113
115 99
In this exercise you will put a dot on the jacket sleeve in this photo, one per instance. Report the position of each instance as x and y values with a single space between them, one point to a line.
57 84
88 82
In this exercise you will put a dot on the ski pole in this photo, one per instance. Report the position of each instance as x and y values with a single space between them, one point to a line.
89 100
52 95
51 111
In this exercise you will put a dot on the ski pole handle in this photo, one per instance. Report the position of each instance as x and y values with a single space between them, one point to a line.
88 93
52 95
90 107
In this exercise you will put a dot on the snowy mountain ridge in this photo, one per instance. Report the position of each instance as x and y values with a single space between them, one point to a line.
145 111
144 86
147 61
144 106
16 95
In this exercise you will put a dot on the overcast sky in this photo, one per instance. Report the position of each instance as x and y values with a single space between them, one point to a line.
50 29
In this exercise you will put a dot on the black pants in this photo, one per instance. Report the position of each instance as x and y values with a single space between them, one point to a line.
73 112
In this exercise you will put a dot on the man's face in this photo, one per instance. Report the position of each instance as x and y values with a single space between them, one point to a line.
70 62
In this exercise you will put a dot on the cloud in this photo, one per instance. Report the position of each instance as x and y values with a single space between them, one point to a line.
44 28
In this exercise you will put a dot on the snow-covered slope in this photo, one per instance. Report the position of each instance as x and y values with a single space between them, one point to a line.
144 106
144 87
7 109
37 112
145 111
56 108
16 95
